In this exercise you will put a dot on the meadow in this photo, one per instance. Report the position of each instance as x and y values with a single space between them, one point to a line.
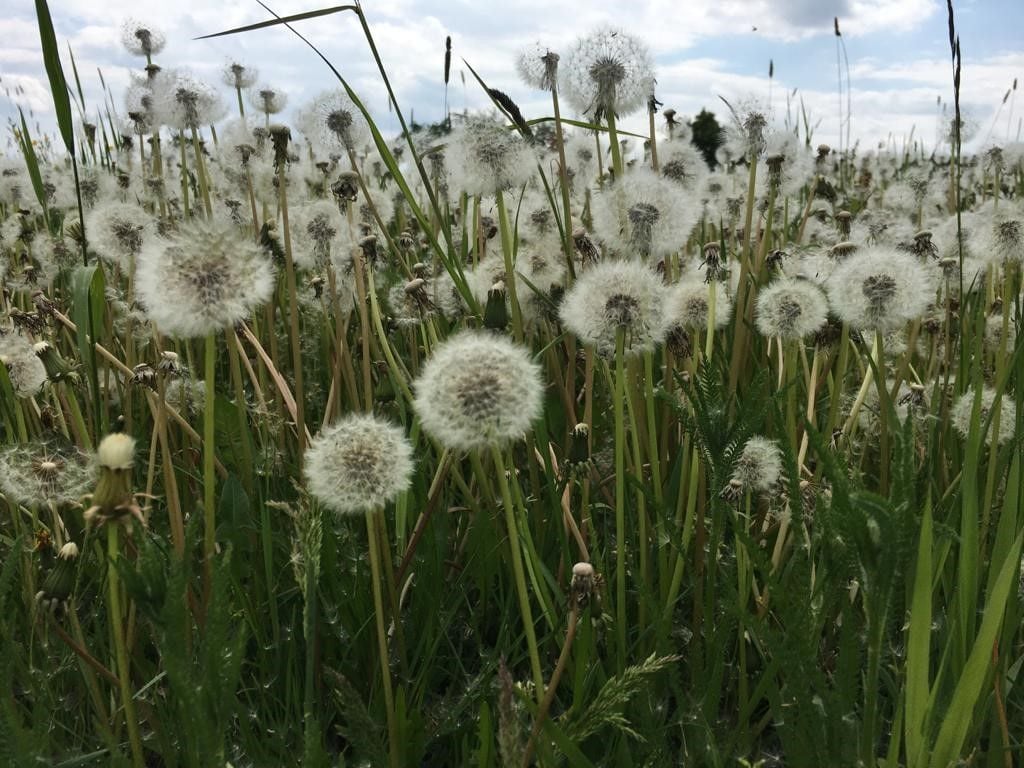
509 440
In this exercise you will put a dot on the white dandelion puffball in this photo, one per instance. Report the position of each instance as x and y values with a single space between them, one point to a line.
483 156
689 303
759 465
332 121
142 39
478 389
205 278
608 71
791 309
613 295
359 464
961 412
644 215
880 289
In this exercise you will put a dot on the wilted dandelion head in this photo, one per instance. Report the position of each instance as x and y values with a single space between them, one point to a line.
615 296
358 464
538 66
142 39
963 409
203 279
880 288
791 309
608 71
236 75
759 465
484 156
478 389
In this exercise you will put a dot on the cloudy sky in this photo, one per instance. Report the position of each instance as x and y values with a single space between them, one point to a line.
898 54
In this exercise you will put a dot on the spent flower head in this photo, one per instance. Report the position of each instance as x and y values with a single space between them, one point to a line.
615 296
791 309
478 389
880 288
205 278
359 464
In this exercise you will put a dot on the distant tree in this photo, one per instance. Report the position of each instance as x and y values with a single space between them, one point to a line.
707 135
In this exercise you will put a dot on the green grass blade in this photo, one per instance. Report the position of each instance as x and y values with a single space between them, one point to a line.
919 644
78 82
957 722
58 85
31 161
282 20
88 300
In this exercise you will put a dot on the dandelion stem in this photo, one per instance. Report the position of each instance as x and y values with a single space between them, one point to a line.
209 451
121 651
382 641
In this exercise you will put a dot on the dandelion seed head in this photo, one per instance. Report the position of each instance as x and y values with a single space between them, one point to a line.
205 278
758 468
39 474
360 463
116 451
962 410
484 156
142 39
607 71
614 295
790 309
880 289
689 303
478 389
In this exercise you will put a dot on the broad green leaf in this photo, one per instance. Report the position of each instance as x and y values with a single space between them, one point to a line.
31 161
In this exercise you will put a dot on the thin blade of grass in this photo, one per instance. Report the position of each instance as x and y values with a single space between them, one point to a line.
919 644
281 20
58 84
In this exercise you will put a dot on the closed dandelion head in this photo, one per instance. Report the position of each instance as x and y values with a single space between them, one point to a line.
880 288
113 499
205 278
358 464
608 71
615 296
142 39
484 156
236 75
962 411
643 215
759 465
478 389
791 309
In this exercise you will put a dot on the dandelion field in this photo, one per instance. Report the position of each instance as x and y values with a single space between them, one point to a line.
508 441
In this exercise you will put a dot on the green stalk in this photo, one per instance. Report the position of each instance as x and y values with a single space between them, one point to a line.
382 641
613 138
517 571
507 248
620 497
121 651
209 451
293 318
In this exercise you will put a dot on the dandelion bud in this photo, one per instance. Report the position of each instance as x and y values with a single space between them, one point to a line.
280 135
583 583
496 309
843 219
57 368
113 499
579 445
346 188
56 589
